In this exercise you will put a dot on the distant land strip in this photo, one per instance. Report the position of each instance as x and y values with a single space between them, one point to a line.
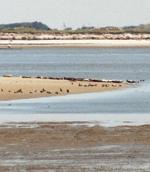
72 43
37 34
39 27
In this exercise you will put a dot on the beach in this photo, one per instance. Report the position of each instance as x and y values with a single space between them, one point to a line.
67 147
73 43
46 124
28 87
75 86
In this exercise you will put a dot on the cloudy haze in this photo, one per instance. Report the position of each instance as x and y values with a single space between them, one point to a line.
76 13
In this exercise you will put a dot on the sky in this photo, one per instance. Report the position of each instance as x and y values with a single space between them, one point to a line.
76 13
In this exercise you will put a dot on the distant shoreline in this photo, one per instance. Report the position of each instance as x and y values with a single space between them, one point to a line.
73 43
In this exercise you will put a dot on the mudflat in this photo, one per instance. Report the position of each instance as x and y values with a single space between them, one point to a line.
73 147
21 88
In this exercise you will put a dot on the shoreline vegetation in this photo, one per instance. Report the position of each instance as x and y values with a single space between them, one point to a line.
32 87
37 34
39 27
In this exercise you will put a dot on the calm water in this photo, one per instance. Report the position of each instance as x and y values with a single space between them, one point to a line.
80 62
83 62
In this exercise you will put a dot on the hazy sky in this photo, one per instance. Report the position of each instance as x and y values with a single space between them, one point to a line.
76 12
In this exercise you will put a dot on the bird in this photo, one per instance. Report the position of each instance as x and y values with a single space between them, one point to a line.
18 91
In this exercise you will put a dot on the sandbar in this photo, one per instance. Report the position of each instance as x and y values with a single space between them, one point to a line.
22 88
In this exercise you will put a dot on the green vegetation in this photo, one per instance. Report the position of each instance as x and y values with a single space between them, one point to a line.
138 29
38 27
28 27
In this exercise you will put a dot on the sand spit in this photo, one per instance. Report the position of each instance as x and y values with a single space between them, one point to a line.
64 147
28 87
73 43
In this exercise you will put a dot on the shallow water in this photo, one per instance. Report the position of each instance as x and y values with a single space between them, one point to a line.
84 62
132 100
130 106
109 63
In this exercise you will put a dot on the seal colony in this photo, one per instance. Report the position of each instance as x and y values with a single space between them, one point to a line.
32 87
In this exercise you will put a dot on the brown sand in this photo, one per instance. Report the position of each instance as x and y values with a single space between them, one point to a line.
71 134
20 88
57 147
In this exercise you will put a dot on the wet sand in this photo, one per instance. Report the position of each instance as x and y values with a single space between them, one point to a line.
22 88
57 147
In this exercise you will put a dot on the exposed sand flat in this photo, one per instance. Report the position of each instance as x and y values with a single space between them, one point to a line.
73 43
61 147
20 88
